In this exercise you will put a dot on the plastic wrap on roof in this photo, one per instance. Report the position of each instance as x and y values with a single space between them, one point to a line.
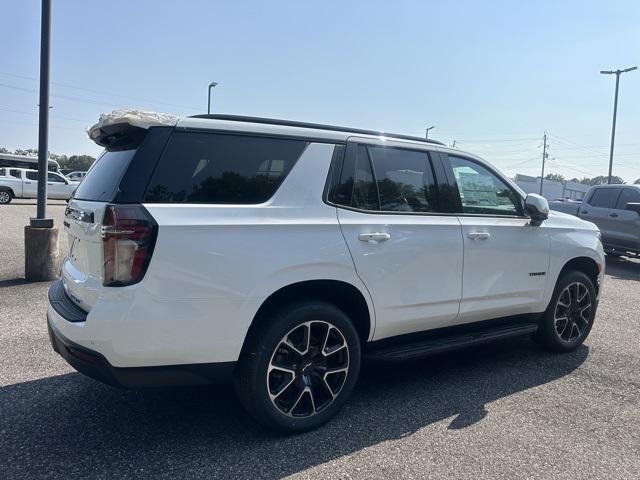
135 118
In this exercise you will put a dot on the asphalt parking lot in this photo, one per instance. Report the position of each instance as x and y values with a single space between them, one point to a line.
508 410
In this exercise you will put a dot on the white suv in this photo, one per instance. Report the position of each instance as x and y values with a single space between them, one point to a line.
282 253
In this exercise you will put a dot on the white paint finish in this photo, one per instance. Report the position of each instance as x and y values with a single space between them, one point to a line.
496 268
414 277
23 187
214 265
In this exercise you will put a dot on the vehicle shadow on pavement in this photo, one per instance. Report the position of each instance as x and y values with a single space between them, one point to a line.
71 426
623 268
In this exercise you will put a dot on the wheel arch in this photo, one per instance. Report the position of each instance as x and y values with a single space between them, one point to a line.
343 295
8 189
586 265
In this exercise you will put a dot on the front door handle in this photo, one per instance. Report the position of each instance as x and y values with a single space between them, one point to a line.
614 214
584 211
374 238
479 235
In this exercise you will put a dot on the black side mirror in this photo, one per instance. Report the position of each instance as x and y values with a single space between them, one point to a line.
634 207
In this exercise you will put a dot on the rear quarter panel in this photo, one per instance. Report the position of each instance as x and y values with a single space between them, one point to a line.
214 265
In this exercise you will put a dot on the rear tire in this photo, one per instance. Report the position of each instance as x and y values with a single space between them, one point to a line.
569 317
5 197
298 368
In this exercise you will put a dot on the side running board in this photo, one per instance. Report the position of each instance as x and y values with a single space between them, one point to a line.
420 348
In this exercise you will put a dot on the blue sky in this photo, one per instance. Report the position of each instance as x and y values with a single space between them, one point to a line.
491 75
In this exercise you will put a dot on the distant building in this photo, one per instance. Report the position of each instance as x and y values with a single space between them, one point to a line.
551 189
24 161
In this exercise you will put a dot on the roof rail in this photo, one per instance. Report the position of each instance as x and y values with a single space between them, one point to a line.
318 126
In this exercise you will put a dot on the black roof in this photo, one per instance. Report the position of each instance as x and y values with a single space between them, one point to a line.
318 126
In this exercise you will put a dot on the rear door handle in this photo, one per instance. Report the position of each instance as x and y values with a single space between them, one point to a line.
614 214
479 235
375 237
584 211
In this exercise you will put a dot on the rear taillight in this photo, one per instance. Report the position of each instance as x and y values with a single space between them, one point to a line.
128 237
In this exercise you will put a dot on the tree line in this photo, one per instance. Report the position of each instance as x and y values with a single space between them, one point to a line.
599 180
66 162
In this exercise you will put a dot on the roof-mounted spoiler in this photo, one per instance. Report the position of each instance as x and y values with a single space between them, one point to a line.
122 129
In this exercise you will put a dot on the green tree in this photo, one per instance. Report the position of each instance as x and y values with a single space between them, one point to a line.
602 180
77 162
556 177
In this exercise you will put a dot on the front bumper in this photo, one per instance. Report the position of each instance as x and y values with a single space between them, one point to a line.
95 365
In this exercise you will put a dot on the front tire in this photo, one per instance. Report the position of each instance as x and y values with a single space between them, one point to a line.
299 366
569 317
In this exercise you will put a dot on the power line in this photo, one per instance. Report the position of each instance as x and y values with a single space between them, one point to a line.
21 112
100 92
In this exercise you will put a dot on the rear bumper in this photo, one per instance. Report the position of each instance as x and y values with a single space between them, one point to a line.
95 365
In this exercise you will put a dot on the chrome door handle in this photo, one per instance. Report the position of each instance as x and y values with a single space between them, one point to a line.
479 235
376 237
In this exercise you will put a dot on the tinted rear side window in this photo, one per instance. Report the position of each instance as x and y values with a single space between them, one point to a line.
102 180
604 197
386 179
223 169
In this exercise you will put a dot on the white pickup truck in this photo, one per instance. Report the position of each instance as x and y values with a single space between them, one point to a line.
23 183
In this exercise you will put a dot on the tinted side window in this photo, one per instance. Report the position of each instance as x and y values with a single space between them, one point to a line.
481 191
387 179
628 195
32 175
404 179
52 177
365 192
224 169
604 197
102 180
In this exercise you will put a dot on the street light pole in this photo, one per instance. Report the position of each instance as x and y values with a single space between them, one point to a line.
211 85
43 128
427 131
615 112
40 236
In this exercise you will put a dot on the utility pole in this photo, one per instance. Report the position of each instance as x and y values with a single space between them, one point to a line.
427 132
40 236
615 111
211 85
544 157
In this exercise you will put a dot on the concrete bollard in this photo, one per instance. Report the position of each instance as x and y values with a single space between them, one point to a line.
40 253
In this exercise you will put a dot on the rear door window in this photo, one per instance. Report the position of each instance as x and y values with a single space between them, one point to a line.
102 180
31 175
222 169
604 197
386 179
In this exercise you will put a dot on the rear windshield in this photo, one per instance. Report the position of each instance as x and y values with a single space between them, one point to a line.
222 169
102 180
